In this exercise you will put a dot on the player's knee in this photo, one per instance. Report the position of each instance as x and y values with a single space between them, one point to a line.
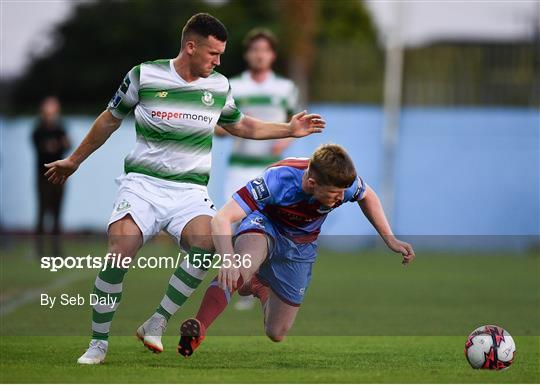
122 247
276 334
197 233
275 337
125 238
204 243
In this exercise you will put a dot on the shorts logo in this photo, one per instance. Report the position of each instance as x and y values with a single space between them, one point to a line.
123 205
257 221
207 98
260 190
302 291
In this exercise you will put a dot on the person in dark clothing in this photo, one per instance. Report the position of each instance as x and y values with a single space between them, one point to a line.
51 143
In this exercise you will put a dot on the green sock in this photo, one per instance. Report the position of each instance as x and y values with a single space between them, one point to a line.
108 286
185 280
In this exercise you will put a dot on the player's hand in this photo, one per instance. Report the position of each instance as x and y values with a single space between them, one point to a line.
60 170
228 275
303 124
404 248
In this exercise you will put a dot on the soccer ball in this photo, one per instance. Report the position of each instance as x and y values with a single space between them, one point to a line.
490 347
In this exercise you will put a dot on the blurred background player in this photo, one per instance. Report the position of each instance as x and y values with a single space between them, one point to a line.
260 93
282 212
50 143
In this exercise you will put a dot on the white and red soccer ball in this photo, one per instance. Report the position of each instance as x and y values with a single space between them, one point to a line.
490 347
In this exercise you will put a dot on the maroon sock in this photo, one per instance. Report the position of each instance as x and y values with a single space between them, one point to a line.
259 290
214 302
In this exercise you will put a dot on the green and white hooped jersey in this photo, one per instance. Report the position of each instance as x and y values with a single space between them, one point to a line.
272 100
174 120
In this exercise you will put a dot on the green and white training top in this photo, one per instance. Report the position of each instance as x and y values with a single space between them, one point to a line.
174 120
272 100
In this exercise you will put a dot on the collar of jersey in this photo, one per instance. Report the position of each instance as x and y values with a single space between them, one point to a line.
177 75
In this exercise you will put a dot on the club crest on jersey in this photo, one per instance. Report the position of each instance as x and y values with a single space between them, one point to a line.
123 205
207 98
259 189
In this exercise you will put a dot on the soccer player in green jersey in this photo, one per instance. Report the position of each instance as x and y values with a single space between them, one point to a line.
177 103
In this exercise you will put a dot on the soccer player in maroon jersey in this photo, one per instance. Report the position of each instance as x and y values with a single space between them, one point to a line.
275 244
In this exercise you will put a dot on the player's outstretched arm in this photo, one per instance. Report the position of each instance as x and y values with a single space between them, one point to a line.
100 131
372 208
301 124
220 131
222 235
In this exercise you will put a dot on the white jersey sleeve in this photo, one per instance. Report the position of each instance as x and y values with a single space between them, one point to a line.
230 114
127 96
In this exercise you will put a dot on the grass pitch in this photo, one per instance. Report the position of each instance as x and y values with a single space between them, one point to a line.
365 319
244 359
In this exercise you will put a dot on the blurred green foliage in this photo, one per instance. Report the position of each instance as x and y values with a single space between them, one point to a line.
329 47
473 73
104 39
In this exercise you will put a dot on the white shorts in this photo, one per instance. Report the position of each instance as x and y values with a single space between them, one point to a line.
238 176
156 204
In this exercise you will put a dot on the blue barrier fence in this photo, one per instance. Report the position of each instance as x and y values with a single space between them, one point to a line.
459 171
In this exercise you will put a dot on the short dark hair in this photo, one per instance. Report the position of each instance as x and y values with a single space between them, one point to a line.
260 33
330 165
204 25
